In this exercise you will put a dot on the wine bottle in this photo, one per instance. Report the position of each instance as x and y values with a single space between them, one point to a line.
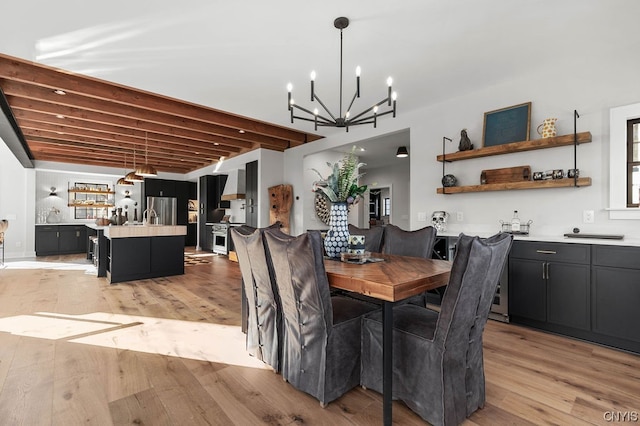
515 222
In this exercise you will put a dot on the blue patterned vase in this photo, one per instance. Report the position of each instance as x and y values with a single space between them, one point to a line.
337 239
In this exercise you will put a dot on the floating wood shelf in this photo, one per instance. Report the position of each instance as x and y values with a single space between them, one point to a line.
90 206
532 184
87 191
565 140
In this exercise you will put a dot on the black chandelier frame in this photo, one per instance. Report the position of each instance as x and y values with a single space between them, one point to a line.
345 121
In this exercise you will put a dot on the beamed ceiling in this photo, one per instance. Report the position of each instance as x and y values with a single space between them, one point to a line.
100 123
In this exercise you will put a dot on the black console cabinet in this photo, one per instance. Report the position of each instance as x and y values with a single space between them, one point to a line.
60 239
586 291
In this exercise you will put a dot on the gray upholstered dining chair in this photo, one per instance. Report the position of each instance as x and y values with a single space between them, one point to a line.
321 333
372 237
418 243
438 361
264 324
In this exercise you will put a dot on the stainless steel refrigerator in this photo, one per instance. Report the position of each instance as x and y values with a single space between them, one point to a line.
161 210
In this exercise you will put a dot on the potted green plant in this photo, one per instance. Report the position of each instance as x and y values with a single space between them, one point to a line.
342 189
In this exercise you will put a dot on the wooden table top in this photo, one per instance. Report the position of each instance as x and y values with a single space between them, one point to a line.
394 279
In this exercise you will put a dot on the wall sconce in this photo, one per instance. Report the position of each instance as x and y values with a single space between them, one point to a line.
53 192
402 152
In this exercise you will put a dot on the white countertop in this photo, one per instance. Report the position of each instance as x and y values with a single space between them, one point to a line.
554 239
144 231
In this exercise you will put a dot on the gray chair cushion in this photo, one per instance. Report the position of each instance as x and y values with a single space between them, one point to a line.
372 237
321 343
438 368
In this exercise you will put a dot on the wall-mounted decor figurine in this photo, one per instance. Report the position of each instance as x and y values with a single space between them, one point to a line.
449 181
465 142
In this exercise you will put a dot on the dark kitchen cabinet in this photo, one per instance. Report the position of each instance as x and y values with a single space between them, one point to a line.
251 194
210 191
616 292
60 239
550 283
206 238
159 187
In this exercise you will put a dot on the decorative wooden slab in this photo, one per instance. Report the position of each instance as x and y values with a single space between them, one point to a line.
504 175
281 200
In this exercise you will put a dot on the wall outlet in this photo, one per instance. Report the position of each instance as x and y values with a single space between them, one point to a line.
460 216
588 216
422 216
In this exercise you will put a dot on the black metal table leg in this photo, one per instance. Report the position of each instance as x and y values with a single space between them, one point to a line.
387 362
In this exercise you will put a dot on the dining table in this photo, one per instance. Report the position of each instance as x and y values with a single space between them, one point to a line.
390 279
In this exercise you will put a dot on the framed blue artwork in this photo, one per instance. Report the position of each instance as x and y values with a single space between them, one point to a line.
507 125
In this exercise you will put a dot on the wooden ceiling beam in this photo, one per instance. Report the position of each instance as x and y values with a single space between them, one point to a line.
124 142
172 125
54 78
145 116
198 145
45 150
43 143
118 155
97 118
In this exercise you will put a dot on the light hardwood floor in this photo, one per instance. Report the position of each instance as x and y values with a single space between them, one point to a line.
75 350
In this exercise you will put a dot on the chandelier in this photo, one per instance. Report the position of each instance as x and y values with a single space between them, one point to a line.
368 116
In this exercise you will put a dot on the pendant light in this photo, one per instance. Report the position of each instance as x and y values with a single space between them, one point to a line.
122 181
132 176
146 169
402 152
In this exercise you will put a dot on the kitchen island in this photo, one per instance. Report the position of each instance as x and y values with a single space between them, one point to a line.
143 251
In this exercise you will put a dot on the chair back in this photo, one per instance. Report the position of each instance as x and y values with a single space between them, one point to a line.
417 243
372 237
472 284
264 322
306 303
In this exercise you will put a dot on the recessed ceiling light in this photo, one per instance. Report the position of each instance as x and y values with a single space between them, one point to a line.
60 116
197 152
216 143
59 92
362 149
240 131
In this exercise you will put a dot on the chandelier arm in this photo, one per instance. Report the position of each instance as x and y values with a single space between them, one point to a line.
305 119
321 120
325 108
363 121
355 95
355 122
369 109
303 109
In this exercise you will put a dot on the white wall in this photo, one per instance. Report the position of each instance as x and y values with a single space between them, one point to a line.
397 180
17 204
62 181
592 87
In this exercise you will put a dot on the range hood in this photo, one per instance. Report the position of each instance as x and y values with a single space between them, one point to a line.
234 187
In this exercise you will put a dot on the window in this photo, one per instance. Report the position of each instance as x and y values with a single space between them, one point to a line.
633 163
387 207
618 147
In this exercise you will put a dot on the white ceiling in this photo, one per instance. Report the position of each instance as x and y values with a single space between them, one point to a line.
239 56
